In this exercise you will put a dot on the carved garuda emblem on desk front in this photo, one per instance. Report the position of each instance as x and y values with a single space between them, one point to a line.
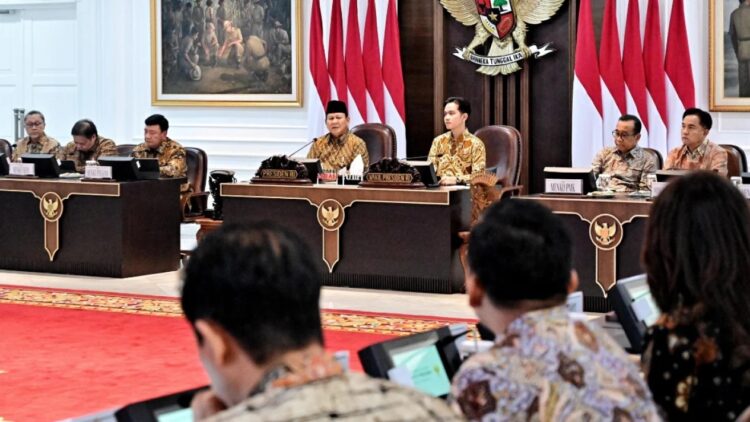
51 206
501 23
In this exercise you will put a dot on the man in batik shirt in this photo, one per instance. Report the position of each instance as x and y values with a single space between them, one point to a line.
545 364
626 162
171 155
339 147
266 362
87 145
697 152
457 154
37 142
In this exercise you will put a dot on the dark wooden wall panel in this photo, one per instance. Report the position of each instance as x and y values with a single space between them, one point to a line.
535 100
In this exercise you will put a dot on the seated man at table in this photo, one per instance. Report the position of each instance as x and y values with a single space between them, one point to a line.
86 145
626 162
37 142
457 154
697 152
339 147
171 155
545 364
252 297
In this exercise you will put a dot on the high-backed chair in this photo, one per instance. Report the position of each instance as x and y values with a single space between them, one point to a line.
657 156
6 148
503 147
736 160
379 138
197 173
124 150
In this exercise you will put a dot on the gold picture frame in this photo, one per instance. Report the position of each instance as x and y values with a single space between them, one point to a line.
729 77
190 68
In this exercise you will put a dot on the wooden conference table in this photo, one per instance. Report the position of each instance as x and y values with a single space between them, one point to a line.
607 238
112 229
400 239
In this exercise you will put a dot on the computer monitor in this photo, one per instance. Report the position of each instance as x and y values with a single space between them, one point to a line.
426 172
171 408
745 178
45 165
68 166
4 167
585 175
666 175
635 308
425 361
129 168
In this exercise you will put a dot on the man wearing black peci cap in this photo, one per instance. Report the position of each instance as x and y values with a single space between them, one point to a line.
339 147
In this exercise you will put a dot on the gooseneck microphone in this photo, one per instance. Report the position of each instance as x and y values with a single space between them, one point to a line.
302 147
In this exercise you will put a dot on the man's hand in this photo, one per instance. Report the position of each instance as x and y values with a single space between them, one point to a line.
448 180
206 404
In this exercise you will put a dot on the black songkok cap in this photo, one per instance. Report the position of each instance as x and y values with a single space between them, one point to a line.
336 106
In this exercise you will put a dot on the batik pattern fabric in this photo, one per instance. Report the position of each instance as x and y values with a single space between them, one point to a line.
337 153
548 366
629 170
319 390
45 145
172 160
693 373
102 147
461 158
708 156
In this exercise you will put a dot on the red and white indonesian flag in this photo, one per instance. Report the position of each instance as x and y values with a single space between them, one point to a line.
354 56
642 73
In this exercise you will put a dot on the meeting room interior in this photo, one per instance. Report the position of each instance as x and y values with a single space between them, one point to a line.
374 210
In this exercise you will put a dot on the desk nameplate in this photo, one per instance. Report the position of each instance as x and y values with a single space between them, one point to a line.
51 196
332 202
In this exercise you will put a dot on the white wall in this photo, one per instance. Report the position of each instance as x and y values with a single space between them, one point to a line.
112 79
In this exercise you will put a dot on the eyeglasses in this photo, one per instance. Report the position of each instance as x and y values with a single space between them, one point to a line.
616 134
34 124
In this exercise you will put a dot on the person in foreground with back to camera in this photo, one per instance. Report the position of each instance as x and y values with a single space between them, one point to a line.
36 141
545 365
697 259
457 154
697 152
252 296
86 145
339 147
626 162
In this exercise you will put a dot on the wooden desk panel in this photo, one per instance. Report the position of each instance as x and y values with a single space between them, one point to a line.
101 229
602 259
383 238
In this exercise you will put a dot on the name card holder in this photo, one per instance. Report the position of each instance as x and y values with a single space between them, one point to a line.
656 188
21 169
98 172
564 186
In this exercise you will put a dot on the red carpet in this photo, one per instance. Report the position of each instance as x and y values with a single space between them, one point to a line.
63 357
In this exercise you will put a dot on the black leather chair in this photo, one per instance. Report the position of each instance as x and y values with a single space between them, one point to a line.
736 160
197 172
6 148
656 155
379 138
502 145
124 150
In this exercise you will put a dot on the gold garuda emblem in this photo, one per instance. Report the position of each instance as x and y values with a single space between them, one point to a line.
501 22
330 215
605 233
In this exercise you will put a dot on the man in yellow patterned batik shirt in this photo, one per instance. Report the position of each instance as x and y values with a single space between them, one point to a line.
339 147
171 155
457 154
86 145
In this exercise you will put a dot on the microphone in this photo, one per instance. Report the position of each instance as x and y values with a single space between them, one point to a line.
421 157
302 147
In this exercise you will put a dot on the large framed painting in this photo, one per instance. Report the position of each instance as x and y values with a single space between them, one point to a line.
729 55
226 53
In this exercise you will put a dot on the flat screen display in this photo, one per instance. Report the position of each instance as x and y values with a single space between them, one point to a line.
424 368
